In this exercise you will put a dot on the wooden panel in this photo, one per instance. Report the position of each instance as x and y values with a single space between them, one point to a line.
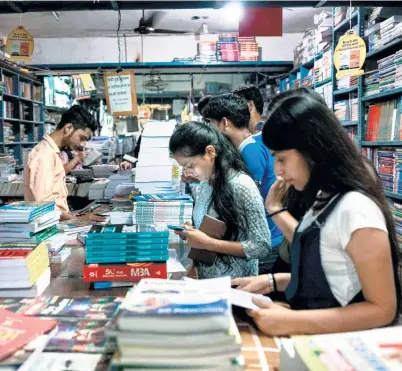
261 22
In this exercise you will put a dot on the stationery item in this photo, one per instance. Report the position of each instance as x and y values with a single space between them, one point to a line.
176 227
214 228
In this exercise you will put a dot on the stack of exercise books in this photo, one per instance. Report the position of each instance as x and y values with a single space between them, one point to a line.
378 349
372 83
122 177
177 325
163 209
346 82
387 29
111 250
97 189
249 49
104 171
387 70
121 215
24 254
227 47
153 173
74 226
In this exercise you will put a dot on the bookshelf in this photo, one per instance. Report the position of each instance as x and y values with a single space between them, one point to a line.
21 112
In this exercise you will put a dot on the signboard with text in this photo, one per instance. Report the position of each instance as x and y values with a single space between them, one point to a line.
120 93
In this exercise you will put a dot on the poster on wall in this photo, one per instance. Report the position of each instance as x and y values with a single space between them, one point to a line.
350 55
120 93
20 45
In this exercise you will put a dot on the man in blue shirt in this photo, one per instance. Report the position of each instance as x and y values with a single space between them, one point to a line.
255 103
230 114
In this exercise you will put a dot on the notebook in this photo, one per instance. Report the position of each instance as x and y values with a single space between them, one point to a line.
214 228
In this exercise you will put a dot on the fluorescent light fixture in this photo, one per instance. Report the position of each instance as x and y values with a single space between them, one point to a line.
56 15
233 12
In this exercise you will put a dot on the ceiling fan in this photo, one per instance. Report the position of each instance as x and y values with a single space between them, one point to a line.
147 25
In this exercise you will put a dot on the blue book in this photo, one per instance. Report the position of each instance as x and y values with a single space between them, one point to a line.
128 254
164 197
114 242
127 248
24 211
127 232
125 259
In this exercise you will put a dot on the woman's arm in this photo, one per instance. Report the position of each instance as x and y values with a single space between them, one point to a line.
286 224
370 252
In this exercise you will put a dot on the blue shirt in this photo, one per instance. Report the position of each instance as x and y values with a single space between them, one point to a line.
260 163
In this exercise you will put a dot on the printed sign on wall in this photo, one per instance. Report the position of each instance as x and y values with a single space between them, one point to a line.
20 45
120 93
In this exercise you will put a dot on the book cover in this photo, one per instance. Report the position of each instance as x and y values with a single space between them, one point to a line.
17 257
81 307
127 231
85 336
17 330
124 272
15 305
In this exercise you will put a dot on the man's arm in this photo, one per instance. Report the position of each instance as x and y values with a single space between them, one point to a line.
41 178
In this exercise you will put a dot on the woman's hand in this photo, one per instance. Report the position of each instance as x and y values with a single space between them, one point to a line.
257 285
274 200
195 238
274 319
125 165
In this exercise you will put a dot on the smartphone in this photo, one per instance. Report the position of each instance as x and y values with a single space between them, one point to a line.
176 228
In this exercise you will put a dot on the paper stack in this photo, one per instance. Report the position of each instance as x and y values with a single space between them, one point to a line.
154 168
97 189
122 177
177 324
121 215
7 168
104 171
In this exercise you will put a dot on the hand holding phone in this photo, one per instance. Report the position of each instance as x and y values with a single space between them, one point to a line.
176 228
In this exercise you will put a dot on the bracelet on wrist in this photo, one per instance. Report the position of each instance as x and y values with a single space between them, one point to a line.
274 282
271 282
278 212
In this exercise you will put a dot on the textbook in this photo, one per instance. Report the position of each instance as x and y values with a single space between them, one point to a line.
99 232
36 225
24 211
17 330
168 306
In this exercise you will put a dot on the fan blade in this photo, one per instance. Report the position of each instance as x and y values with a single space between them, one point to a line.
160 30
153 19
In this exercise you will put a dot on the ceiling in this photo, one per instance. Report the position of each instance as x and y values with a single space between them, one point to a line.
104 22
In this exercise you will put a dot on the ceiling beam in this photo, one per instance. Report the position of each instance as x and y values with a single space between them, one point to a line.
14 6
115 5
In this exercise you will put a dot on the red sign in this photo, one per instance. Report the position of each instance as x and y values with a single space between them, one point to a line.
261 22
124 272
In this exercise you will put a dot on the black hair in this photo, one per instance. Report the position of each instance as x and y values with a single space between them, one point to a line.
305 124
202 103
69 152
79 117
251 93
231 106
191 140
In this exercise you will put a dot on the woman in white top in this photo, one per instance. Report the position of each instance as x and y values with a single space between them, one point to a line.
344 252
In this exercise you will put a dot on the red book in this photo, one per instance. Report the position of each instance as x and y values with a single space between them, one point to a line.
17 330
124 272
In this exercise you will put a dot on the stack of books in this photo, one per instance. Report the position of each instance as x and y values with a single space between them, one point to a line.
389 167
177 324
58 253
154 167
398 69
372 84
387 29
249 49
111 250
323 67
341 13
346 82
74 226
104 171
121 215
206 52
227 47
7 168
346 109
97 189
396 209
386 70
122 177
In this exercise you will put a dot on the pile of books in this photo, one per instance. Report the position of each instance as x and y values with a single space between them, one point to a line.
386 70
398 69
58 253
227 47
346 110
153 173
341 13
306 50
346 82
249 49
323 67
206 52
7 168
104 171
387 29
121 215
110 251
120 178
24 256
396 209
97 189
177 324
372 83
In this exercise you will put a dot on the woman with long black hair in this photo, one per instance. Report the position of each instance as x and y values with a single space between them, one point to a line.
227 193
344 252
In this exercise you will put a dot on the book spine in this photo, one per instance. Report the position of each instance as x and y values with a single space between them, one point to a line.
116 273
